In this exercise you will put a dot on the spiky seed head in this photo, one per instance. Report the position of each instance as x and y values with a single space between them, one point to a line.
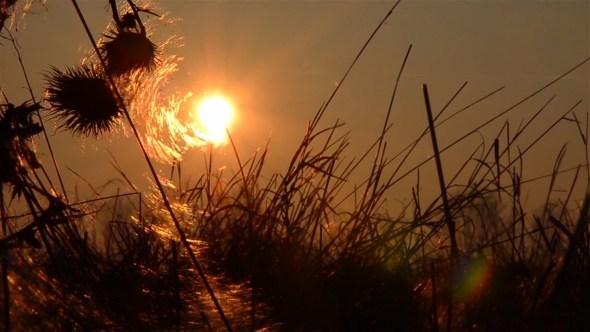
82 99
128 22
128 50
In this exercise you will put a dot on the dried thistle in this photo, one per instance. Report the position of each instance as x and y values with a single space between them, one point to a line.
128 47
127 50
82 99
16 128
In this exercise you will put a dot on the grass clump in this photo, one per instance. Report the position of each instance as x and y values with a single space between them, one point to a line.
301 249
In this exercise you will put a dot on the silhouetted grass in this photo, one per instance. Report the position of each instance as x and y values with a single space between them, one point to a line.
301 249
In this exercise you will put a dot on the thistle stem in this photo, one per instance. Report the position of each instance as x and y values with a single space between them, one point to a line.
154 174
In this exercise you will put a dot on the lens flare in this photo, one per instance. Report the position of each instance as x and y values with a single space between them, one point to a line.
473 277
214 116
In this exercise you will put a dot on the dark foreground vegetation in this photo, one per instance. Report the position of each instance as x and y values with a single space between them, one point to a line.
287 252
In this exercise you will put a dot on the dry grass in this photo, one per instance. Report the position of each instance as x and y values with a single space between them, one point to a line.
302 249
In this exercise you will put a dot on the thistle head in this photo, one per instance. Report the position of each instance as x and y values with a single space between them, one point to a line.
82 100
128 50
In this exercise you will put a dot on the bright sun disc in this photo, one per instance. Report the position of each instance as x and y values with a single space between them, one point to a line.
214 115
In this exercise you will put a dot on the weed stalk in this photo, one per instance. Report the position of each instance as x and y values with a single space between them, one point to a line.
154 174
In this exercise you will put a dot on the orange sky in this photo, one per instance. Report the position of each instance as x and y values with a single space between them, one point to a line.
280 60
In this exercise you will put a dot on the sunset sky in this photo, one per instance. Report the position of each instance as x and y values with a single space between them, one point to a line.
278 61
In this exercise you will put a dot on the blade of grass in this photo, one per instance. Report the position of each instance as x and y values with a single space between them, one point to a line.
441 180
497 116
322 110
448 216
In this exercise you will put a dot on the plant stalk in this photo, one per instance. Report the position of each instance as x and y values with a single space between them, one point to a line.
447 209
154 174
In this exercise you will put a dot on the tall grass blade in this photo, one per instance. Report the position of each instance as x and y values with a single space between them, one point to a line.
447 210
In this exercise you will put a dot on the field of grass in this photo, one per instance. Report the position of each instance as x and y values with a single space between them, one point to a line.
293 250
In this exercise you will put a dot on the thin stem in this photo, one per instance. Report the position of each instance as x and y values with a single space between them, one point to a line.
322 110
154 174
250 233
447 209
441 179
45 136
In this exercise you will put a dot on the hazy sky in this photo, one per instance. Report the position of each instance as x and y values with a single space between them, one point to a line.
280 60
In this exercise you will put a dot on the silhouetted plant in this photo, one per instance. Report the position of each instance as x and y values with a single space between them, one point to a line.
128 50
82 100
127 47
285 248
16 129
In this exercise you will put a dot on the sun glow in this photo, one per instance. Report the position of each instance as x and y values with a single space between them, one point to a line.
214 116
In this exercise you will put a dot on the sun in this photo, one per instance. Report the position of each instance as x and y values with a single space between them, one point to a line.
214 117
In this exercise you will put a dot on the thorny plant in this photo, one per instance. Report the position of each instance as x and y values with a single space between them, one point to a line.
302 249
